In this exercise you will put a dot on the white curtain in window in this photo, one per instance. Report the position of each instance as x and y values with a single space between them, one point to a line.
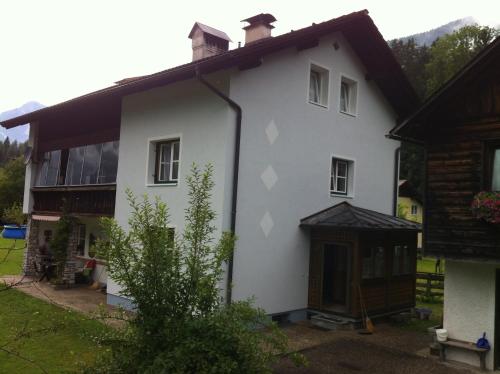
344 97
314 87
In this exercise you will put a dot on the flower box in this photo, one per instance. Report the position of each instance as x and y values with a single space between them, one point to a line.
486 206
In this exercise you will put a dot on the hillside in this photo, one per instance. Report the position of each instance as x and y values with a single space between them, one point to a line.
19 133
428 37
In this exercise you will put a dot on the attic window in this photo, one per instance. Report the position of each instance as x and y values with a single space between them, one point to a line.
348 96
318 85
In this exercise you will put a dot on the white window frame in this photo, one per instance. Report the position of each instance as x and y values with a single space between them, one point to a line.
412 211
324 94
151 157
350 176
352 90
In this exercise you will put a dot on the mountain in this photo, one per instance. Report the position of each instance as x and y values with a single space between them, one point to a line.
19 133
428 37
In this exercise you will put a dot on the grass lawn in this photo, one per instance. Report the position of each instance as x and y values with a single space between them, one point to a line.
64 342
11 263
428 265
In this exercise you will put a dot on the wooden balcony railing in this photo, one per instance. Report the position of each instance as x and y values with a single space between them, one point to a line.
96 200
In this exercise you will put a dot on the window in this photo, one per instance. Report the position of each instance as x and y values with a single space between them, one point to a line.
373 263
401 260
47 236
414 210
90 164
495 170
75 164
109 163
171 236
81 240
318 85
348 96
48 171
167 161
341 176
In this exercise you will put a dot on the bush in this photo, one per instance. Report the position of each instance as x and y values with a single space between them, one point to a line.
181 323
14 214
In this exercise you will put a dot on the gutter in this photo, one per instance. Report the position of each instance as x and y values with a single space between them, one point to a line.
397 162
234 194
404 139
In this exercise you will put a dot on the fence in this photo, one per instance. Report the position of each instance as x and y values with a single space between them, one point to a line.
430 285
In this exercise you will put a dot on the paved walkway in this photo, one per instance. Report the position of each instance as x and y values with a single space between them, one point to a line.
81 299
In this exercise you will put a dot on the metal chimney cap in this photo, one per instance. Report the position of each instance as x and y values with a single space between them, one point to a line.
263 18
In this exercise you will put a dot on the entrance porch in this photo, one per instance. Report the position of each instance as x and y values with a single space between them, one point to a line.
357 257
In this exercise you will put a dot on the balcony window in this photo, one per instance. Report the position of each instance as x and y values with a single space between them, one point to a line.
75 164
90 164
109 163
49 169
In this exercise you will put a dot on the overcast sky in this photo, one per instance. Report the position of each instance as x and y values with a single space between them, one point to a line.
55 50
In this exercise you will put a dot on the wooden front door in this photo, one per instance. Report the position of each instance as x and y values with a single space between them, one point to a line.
330 276
315 276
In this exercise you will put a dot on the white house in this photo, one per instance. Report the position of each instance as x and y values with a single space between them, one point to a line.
292 124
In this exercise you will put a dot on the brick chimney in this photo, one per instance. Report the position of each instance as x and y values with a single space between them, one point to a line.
259 27
207 41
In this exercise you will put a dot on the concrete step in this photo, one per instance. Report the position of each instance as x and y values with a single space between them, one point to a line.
334 322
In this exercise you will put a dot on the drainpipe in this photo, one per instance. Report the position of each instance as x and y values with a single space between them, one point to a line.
234 193
397 161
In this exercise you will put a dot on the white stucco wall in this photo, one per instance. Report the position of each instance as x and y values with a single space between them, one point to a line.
272 263
30 175
205 125
469 306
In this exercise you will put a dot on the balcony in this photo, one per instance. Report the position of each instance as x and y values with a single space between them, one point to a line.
85 200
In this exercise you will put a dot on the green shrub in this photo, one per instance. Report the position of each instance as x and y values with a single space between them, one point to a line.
181 322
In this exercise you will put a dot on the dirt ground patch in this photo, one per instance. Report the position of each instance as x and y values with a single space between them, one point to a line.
349 356
390 349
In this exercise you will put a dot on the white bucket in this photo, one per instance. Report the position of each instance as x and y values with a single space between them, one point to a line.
442 335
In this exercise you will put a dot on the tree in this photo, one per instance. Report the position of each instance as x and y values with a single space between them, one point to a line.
451 52
412 59
412 166
427 69
181 323
12 183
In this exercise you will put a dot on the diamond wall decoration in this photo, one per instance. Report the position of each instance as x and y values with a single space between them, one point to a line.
269 177
267 224
272 132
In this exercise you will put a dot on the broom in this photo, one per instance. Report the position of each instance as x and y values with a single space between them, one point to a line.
367 322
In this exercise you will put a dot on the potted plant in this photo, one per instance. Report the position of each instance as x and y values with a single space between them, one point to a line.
486 206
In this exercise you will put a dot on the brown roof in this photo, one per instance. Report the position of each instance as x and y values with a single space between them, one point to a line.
408 129
346 216
358 28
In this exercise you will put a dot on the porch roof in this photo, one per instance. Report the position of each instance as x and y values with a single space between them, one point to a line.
347 216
